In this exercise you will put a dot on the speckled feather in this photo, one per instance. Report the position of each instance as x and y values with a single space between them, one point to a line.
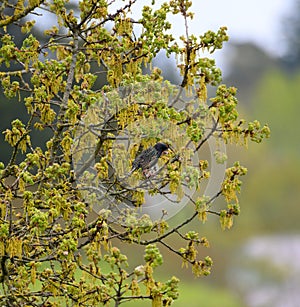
149 157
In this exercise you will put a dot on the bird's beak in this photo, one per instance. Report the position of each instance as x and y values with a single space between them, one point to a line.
170 148
165 152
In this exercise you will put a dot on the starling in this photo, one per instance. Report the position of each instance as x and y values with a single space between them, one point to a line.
148 158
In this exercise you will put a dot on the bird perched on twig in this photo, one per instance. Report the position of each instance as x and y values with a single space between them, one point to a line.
149 158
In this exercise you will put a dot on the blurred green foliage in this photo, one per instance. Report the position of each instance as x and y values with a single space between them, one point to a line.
272 194
198 294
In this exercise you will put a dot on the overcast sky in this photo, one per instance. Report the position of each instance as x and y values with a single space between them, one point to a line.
259 21
253 20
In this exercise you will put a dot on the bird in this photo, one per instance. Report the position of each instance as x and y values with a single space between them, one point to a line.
149 158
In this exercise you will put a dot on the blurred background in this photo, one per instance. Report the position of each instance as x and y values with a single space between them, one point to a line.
256 263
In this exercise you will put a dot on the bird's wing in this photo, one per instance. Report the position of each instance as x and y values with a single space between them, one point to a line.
145 159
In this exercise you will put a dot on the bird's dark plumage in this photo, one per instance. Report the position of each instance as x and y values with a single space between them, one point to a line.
149 157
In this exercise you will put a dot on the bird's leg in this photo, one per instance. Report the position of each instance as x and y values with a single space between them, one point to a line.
150 172
146 173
